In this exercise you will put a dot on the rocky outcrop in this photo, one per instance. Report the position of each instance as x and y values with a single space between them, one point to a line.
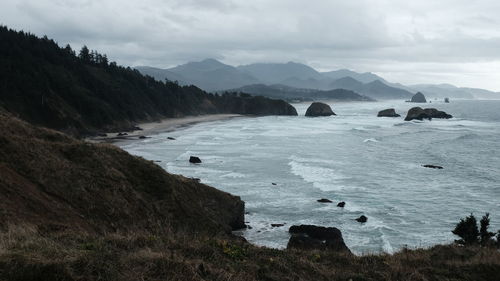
341 204
317 109
388 113
418 97
324 200
194 160
418 113
316 237
432 167
447 100
362 219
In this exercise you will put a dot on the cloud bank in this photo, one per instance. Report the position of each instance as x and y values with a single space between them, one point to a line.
447 41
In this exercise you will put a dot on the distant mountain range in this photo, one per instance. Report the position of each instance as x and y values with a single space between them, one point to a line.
280 91
213 76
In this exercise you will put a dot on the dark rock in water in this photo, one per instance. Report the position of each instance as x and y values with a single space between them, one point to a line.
277 224
434 113
136 128
418 97
362 219
432 166
341 204
273 183
122 134
324 200
388 113
196 179
170 138
419 113
194 159
316 237
249 227
142 137
446 100
319 109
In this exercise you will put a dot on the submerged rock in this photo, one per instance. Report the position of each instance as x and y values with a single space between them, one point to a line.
419 113
319 109
194 159
390 112
324 200
432 166
362 219
170 138
277 224
341 204
418 97
316 237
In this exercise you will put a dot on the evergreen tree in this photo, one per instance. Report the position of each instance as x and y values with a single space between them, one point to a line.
84 54
484 234
69 50
467 230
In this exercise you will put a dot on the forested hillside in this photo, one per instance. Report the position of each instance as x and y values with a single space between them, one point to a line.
83 93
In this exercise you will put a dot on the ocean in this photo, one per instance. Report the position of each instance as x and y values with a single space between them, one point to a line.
373 164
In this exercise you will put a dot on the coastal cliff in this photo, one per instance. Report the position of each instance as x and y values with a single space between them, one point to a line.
55 182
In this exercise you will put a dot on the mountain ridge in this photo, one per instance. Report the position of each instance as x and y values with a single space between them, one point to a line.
303 76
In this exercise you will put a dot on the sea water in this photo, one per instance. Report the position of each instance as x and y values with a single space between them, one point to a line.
373 164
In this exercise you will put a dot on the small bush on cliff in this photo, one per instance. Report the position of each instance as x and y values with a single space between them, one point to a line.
469 233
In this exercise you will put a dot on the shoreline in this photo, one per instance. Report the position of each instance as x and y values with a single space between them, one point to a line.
162 126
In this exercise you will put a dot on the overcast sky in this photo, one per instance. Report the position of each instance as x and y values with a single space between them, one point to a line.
425 41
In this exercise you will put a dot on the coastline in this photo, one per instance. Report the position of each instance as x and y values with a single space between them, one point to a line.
162 126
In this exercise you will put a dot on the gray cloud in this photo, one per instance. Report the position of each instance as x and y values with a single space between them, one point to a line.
447 41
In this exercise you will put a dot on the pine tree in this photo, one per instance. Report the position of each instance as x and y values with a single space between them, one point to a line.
484 234
85 55
467 230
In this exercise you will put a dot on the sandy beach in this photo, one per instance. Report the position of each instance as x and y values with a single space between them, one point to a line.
165 125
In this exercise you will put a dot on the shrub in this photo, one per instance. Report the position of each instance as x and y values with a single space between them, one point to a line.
467 230
484 235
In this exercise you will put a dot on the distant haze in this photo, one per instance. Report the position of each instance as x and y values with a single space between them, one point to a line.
411 42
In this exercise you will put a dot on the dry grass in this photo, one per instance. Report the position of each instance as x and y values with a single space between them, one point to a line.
27 254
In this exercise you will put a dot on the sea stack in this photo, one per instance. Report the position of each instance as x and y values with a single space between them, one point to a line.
390 112
319 109
419 98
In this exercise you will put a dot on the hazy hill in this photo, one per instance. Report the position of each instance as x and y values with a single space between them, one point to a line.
279 72
290 93
212 75
451 91
163 74
375 89
366 77
84 94
380 90
209 74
